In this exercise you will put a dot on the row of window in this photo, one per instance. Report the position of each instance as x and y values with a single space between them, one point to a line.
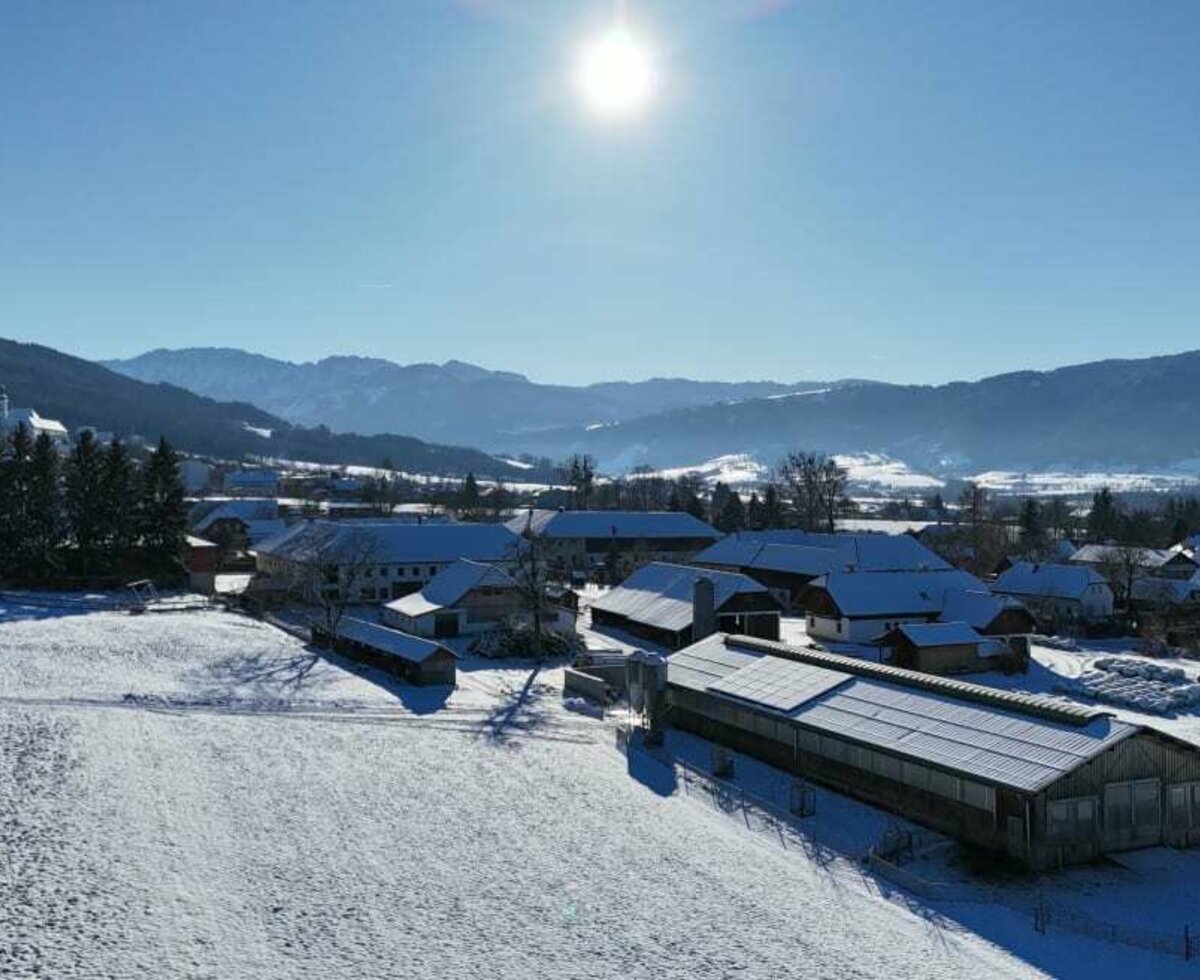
1129 808
965 791
399 571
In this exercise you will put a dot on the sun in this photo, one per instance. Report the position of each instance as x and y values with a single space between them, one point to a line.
616 74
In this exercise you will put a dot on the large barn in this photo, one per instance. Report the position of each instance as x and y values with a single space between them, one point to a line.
586 540
660 602
786 562
390 558
1044 782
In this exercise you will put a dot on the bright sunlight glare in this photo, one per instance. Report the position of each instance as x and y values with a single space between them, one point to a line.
616 74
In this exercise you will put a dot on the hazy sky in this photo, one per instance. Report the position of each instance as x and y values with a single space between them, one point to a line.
905 191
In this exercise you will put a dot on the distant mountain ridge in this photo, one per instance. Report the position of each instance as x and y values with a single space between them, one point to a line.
80 392
452 402
1117 413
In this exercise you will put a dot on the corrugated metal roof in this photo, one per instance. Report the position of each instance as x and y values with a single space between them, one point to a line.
660 594
977 740
1014 740
413 649
782 685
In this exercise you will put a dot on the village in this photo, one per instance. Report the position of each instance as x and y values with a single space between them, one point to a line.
999 709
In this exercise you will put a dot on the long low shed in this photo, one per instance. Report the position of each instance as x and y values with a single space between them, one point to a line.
412 658
1045 782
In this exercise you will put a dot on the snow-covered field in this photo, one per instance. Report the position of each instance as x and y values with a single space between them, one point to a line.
200 795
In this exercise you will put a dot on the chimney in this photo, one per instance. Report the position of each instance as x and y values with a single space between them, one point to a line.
704 611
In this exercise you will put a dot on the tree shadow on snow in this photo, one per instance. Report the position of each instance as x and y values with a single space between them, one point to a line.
657 775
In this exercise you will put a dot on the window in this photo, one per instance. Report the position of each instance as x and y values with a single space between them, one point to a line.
1071 819
416 573
1118 807
432 571
977 795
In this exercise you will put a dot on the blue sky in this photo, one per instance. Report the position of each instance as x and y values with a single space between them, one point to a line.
911 191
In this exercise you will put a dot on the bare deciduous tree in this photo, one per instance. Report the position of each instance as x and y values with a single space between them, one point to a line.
331 564
817 488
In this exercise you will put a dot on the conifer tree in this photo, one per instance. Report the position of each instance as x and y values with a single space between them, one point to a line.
43 506
84 499
118 501
162 509
14 498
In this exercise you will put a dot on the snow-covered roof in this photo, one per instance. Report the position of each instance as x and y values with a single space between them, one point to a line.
940 634
249 509
611 524
251 478
1166 590
1065 549
1000 737
660 594
806 553
450 585
395 542
977 608
413 649
1048 580
259 531
1099 554
195 542
35 423
871 595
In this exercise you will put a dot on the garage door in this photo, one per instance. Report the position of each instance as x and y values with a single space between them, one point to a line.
1132 813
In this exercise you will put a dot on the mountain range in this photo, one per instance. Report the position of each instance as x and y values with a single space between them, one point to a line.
80 392
1115 414
452 402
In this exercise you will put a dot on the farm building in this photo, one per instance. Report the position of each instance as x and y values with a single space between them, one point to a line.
584 541
260 483
787 561
1159 563
200 560
466 598
1167 593
1041 781
1000 616
241 523
411 658
940 648
856 607
380 559
669 604
1070 593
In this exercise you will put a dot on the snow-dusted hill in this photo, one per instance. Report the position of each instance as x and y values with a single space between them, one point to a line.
197 796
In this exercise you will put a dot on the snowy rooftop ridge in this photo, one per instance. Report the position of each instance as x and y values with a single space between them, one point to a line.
450 585
661 594
611 524
1062 581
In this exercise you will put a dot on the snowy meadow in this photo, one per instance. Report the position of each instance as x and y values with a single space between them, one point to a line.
201 795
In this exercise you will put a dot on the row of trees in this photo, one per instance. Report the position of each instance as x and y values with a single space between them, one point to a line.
98 512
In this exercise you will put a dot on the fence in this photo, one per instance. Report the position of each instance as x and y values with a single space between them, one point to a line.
1044 916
